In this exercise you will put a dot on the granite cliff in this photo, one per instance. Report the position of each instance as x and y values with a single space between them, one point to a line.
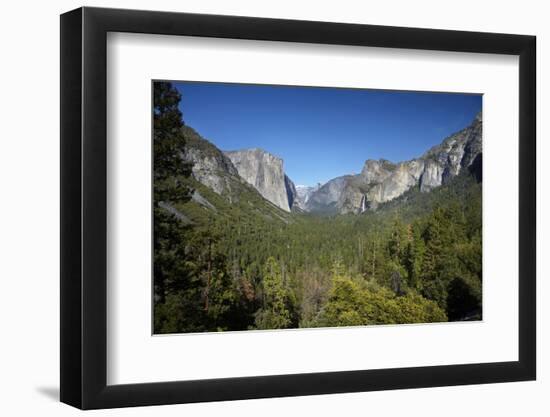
303 193
210 166
264 172
378 182
381 180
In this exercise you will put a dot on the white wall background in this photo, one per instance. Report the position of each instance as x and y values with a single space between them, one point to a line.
29 213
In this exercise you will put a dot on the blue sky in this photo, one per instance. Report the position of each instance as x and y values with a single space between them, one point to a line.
322 133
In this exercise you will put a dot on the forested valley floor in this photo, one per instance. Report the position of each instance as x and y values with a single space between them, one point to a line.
240 263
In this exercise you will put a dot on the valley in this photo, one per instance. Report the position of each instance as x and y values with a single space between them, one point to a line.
238 246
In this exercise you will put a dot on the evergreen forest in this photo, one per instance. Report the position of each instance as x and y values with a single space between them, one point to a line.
237 262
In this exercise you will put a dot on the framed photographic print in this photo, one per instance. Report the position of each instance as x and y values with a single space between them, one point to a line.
257 208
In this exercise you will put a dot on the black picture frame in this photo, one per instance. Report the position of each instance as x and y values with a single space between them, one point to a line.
84 207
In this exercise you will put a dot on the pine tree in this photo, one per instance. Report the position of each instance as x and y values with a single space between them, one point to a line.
170 269
414 256
218 292
274 313
169 169
337 268
397 242
439 264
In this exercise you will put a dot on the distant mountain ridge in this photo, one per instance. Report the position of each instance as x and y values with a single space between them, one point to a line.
303 193
380 181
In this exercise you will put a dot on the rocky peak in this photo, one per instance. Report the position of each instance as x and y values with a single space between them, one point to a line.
303 192
382 180
210 166
326 198
376 171
379 181
264 172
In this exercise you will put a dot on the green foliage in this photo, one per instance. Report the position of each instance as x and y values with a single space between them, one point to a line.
414 258
169 172
349 304
242 263
403 258
274 313
192 288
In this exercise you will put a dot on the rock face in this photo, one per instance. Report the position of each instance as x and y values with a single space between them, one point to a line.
327 198
210 166
215 170
221 171
291 191
379 181
382 180
432 176
264 172
303 192
454 154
